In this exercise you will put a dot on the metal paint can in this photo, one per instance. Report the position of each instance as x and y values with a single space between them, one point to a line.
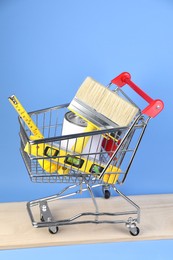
73 124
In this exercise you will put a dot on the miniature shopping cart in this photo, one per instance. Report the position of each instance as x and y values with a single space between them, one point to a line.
104 163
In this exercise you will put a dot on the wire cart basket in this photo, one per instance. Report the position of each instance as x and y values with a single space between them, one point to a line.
51 160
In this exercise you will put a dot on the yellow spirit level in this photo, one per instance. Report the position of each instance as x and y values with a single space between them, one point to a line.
68 161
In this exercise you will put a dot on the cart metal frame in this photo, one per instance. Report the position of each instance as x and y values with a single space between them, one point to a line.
50 123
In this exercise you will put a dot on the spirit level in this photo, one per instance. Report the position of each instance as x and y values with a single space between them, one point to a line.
67 160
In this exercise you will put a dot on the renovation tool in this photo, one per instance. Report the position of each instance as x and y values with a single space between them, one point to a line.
70 162
46 165
25 116
101 108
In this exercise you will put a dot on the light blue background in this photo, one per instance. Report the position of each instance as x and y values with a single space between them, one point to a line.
47 48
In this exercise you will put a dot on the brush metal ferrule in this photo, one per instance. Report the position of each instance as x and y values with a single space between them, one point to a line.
90 114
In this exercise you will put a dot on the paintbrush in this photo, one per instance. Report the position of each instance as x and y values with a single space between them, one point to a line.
101 107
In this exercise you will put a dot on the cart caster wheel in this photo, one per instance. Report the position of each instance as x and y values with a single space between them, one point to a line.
135 231
41 219
53 230
107 194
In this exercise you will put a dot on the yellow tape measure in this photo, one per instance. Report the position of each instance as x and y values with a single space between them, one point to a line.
25 116
46 165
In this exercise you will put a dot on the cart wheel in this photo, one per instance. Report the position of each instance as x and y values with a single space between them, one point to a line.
42 219
107 194
135 231
53 230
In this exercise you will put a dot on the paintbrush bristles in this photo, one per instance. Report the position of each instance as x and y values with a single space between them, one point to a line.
106 102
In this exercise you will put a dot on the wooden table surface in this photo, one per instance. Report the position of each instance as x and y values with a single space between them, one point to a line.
16 230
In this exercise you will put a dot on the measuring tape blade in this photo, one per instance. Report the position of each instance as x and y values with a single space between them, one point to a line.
46 165
25 116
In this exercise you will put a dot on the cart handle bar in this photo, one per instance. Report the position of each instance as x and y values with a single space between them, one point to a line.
154 107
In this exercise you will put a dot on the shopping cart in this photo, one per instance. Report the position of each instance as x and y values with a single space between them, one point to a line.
50 160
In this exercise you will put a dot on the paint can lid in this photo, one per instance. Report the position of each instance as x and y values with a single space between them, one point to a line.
74 119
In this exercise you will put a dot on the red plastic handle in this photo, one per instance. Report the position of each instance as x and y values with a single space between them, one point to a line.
154 107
